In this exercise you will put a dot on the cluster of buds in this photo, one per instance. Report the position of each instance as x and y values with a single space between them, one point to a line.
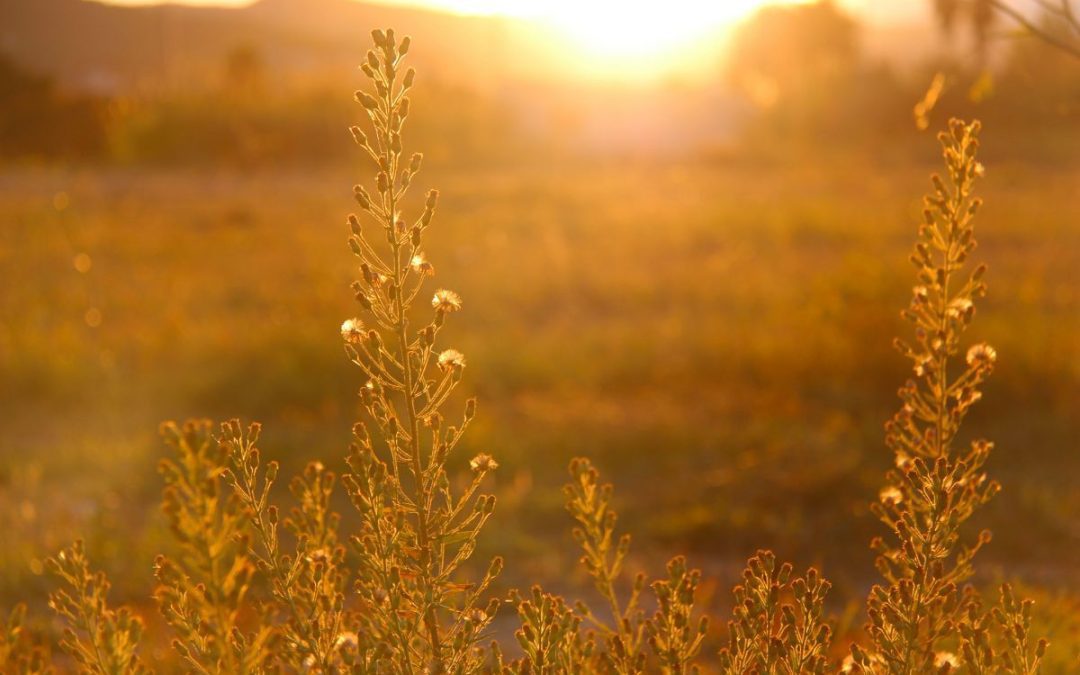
673 635
768 633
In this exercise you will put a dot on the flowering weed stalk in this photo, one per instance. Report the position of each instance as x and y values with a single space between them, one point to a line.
921 614
416 531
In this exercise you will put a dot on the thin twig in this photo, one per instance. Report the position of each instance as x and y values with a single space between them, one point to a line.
1035 30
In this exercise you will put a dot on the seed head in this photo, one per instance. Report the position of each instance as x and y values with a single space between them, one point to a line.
352 331
981 356
483 462
446 301
420 265
451 359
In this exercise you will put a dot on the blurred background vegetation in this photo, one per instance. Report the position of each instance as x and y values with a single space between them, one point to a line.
692 277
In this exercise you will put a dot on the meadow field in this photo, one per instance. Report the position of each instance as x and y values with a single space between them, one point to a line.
715 334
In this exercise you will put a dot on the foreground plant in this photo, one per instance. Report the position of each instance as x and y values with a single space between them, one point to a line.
202 592
921 617
18 652
101 640
412 613
416 531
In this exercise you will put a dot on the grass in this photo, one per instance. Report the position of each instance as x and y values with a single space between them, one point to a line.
715 335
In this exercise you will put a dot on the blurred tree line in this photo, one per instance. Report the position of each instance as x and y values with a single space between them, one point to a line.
801 68
37 119
236 118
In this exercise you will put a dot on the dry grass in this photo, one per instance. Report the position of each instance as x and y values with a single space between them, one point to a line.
219 300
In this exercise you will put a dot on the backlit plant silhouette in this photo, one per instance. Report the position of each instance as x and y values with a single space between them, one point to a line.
248 589
922 609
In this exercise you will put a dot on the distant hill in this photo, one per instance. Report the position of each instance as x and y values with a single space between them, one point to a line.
114 49
90 45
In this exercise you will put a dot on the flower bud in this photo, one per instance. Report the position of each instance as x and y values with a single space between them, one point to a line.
362 197
367 100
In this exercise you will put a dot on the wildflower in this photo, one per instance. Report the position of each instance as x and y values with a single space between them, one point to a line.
902 460
981 356
318 555
943 659
483 463
451 359
891 495
921 365
446 301
420 265
920 293
352 330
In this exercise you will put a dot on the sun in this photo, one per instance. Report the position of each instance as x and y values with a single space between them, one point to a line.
638 37
642 29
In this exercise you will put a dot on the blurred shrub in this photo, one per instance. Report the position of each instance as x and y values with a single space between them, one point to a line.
38 120
251 126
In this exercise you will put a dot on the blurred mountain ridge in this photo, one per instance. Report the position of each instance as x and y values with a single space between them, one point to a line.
87 45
